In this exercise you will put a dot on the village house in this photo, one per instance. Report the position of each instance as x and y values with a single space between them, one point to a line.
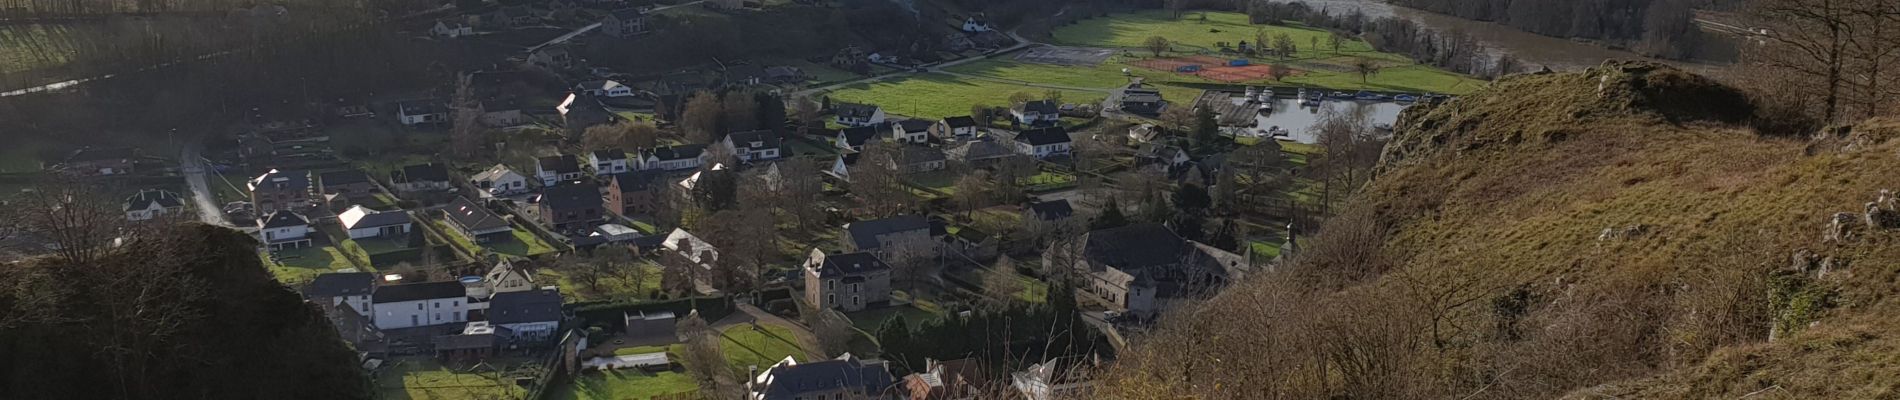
350 289
741 75
421 112
475 222
1143 133
99 162
413 305
1136 99
501 113
954 129
785 74
759 145
696 252
556 169
1044 142
674 158
915 131
530 315
856 115
571 207
625 22
1052 210
854 138
609 161
631 193
500 180
975 24
448 29
1051 380
980 152
475 343
504 277
606 88
280 190
364 223
284 229
582 111
152 203
1168 157
1134 267
1036 113
849 282
511 16
420 178
551 58
898 239
841 166
840 378
347 184
947 380
848 58
919 159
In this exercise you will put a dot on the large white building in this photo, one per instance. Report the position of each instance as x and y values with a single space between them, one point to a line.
530 315
420 304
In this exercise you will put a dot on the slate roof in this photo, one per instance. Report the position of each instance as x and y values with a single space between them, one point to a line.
1052 210
418 291
471 216
914 125
865 233
1040 106
1134 247
144 199
338 178
422 173
979 150
340 284
571 196
610 155
561 164
597 85
919 154
857 136
790 380
964 121
284 218
635 181
540 305
359 217
494 173
419 107
275 179
1044 136
679 152
854 110
850 264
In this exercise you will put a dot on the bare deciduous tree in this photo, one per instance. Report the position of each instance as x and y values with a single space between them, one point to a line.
1156 45
77 217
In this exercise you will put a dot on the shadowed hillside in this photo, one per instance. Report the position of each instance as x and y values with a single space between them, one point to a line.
188 314
1614 232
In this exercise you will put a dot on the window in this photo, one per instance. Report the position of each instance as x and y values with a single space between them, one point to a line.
412 320
438 304
855 302
857 287
418 306
455 315
831 299
457 303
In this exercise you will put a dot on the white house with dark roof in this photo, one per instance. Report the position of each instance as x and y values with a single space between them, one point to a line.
854 115
955 128
451 29
421 112
696 251
759 145
673 158
604 88
915 131
284 229
364 223
607 162
1036 113
975 24
351 289
501 180
854 138
848 282
555 169
530 315
152 203
420 178
845 377
476 222
1044 142
419 304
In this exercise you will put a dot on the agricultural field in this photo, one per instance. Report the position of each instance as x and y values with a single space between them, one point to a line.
942 95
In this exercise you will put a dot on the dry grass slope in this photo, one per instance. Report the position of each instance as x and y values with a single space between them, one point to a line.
1615 232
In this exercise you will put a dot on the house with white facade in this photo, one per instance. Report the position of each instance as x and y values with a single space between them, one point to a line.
531 315
759 145
1036 113
853 114
975 24
556 169
421 112
673 158
364 223
152 203
420 178
604 88
954 128
451 29
475 222
284 229
351 289
915 131
505 278
419 304
500 180
1044 142
608 162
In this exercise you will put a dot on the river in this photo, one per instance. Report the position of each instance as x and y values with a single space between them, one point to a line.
1535 50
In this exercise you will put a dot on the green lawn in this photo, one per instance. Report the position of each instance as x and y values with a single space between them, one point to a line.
1188 33
611 288
422 378
942 95
21 158
525 244
375 246
624 384
942 181
302 265
745 346
870 320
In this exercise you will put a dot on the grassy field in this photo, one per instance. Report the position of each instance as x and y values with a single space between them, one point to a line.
611 288
745 346
870 320
20 158
302 265
625 384
419 378
941 95
1188 33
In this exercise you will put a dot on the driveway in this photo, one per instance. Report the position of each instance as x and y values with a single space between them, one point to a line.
192 164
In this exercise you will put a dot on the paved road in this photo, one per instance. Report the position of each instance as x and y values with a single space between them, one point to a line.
192 164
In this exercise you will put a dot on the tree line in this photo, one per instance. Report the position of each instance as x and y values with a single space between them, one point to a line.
1454 51
1664 28
1815 62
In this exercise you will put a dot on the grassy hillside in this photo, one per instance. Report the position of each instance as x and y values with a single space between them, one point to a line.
1614 233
